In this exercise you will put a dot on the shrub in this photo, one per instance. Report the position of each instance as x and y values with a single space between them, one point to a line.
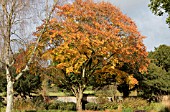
155 106
54 105
70 106
102 100
110 105
35 103
62 105
91 106
38 102
102 95
94 106
134 103
24 104
127 110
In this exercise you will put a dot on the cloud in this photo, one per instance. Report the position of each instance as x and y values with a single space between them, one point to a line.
151 26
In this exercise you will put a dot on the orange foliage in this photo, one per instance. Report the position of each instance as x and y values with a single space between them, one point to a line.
22 57
20 61
97 37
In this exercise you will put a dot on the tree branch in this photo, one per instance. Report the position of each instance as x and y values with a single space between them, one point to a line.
36 45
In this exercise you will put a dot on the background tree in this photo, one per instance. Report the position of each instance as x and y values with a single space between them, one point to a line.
160 7
156 80
161 57
89 43
155 83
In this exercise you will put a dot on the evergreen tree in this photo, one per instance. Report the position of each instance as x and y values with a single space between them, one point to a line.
161 57
155 82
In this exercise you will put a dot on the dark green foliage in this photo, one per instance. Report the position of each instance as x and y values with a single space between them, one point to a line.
67 106
124 88
62 105
160 7
54 105
104 106
110 105
2 83
156 81
27 84
161 57
2 80
2 104
93 106
38 101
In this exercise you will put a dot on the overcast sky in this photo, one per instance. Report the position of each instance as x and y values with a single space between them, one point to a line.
153 27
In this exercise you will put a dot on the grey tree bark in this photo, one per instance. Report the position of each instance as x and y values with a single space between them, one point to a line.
9 18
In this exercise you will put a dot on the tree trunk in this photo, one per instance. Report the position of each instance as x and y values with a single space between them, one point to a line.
9 91
8 57
79 97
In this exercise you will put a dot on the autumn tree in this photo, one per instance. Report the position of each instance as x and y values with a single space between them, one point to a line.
89 43
161 7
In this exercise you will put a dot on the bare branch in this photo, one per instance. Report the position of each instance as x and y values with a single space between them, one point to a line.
36 45
13 33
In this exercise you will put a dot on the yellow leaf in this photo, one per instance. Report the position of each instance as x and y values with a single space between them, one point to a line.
131 81
112 67
61 65
69 69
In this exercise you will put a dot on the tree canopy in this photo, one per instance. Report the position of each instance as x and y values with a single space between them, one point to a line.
156 82
161 57
160 7
90 42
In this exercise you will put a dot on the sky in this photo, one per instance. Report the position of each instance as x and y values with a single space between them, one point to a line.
153 27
